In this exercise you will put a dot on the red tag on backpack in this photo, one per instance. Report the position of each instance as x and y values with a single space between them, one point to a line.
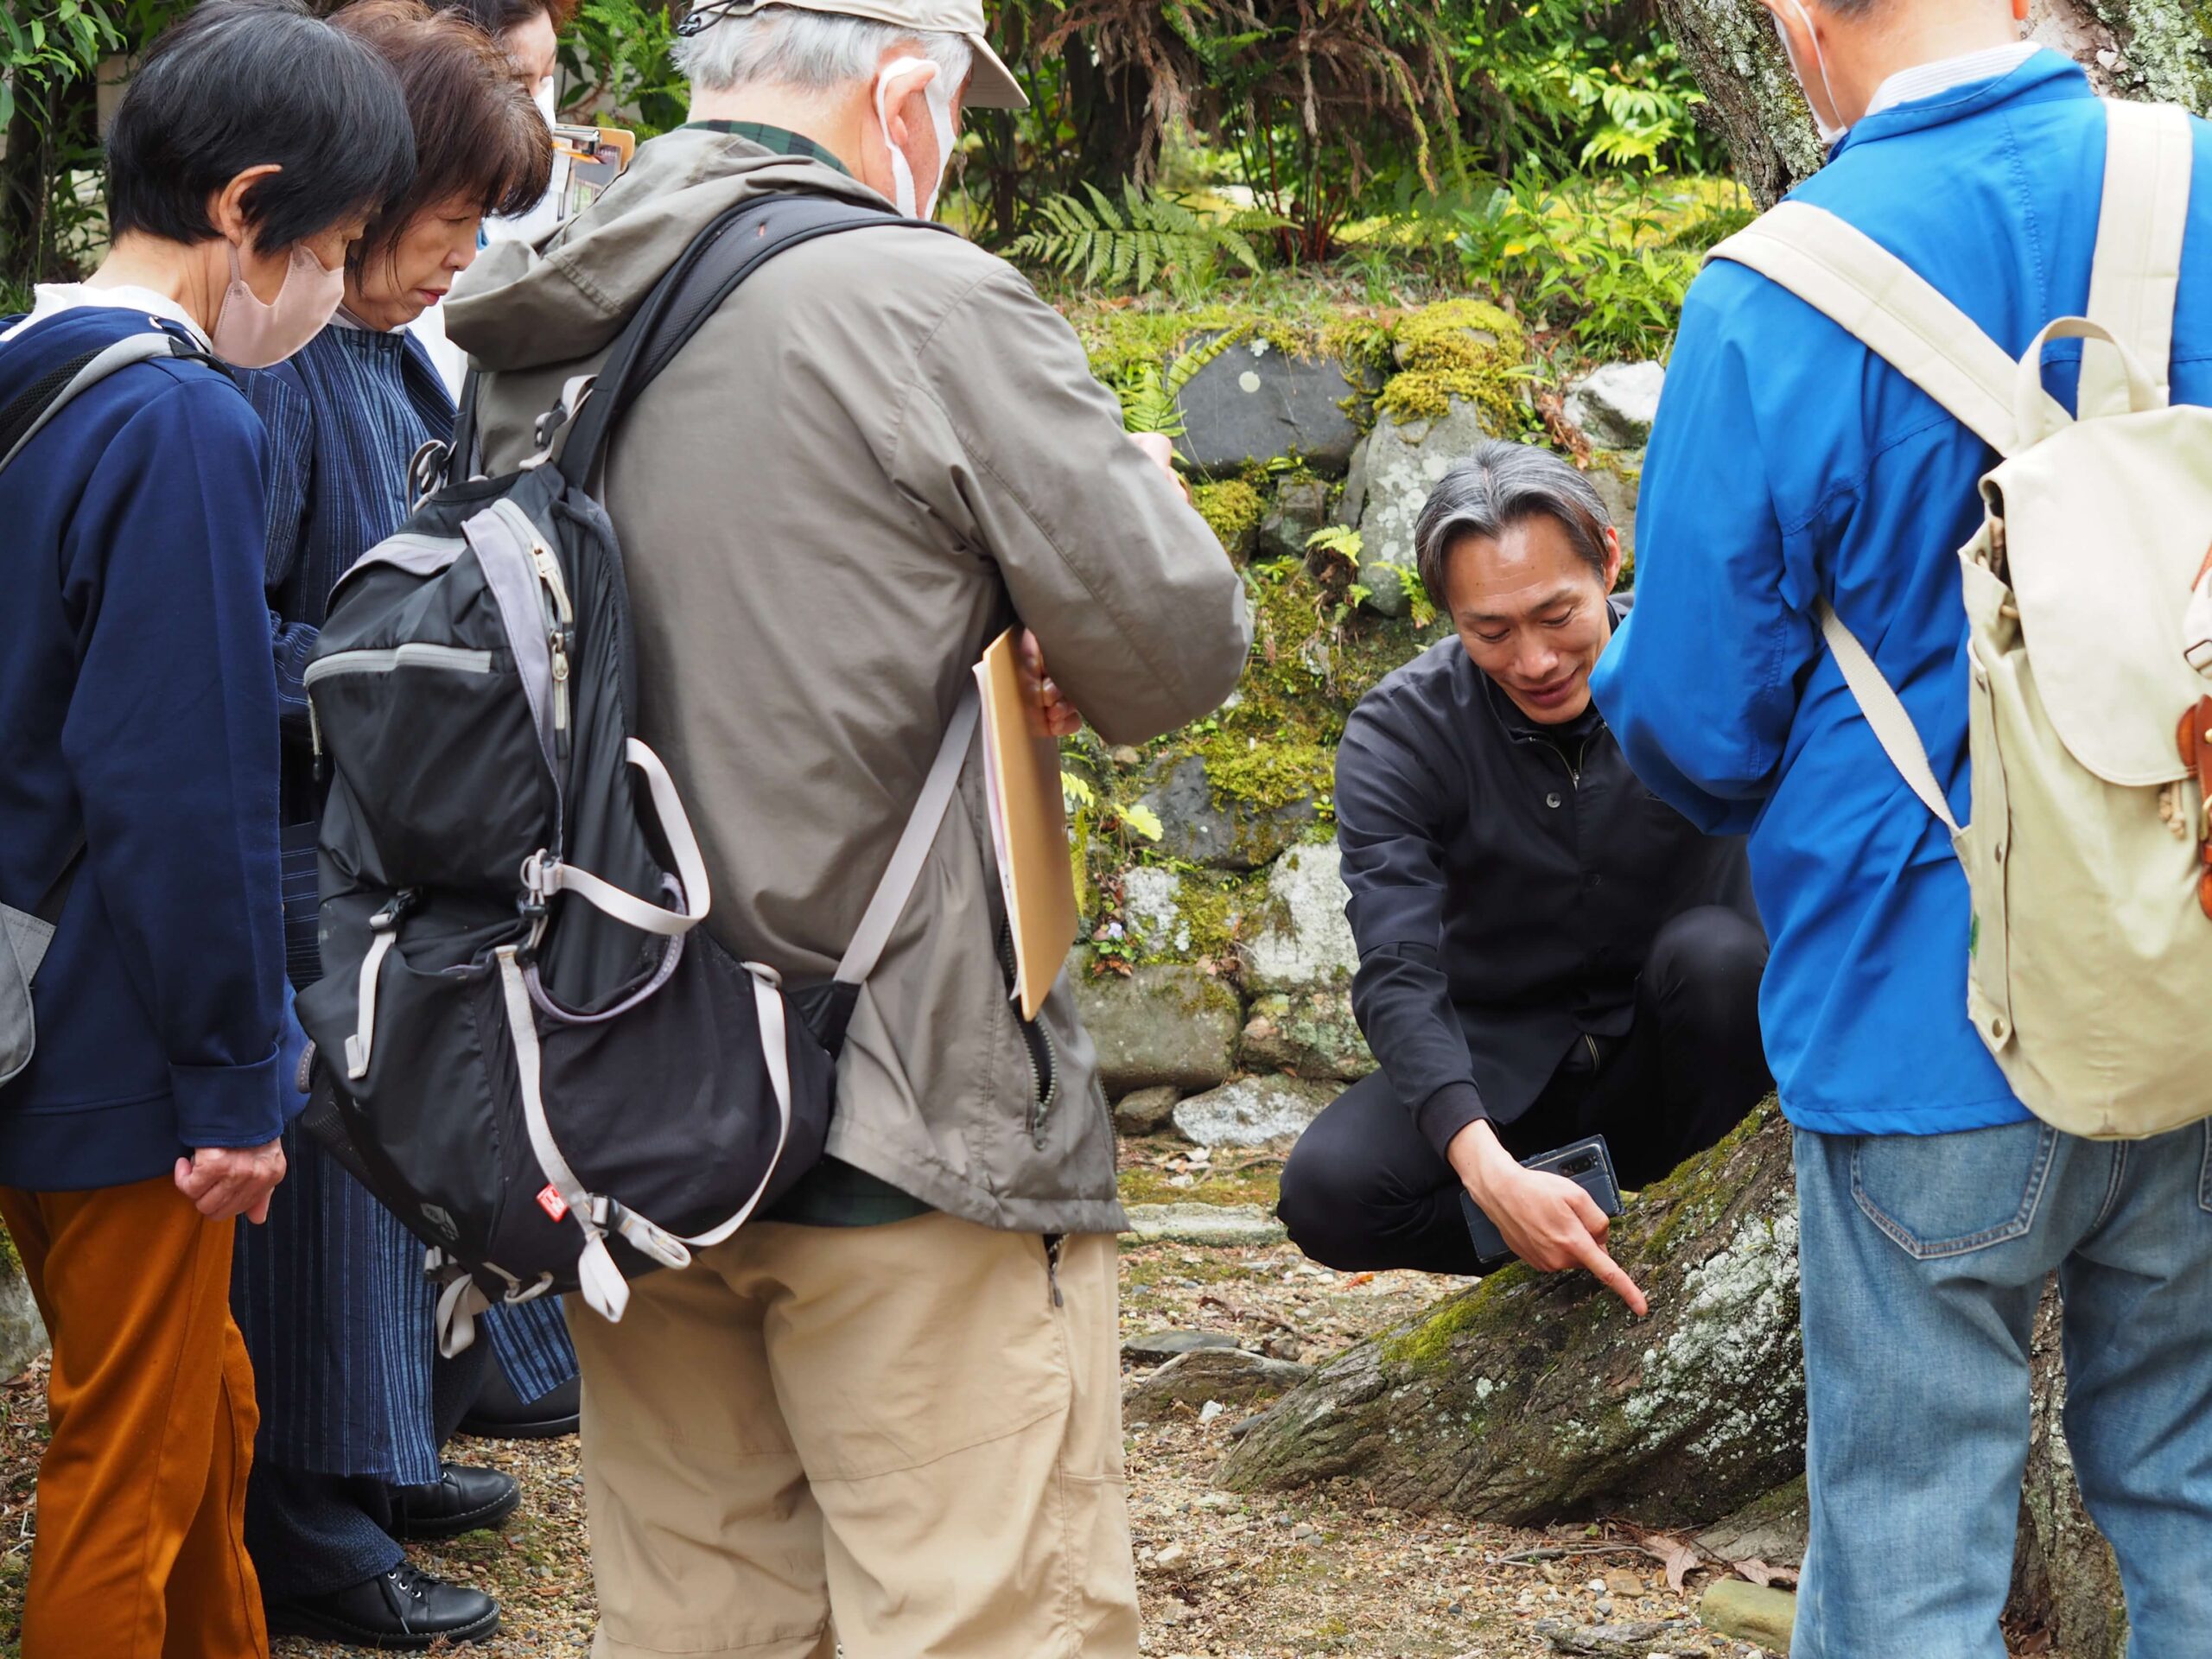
553 1204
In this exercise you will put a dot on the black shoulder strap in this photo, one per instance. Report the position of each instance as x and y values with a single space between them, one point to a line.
29 411
720 257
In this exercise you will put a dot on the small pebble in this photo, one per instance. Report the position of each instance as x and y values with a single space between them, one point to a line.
1596 1586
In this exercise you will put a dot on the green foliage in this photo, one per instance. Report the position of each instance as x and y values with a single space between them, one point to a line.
621 67
1150 394
49 46
1607 261
1147 238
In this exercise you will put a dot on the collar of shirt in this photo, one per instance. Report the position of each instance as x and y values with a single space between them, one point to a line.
776 140
1927 80
53 298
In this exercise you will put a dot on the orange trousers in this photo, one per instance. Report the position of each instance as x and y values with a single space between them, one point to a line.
142 1492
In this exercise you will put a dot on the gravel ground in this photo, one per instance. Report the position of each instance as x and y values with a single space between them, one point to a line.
1319 1573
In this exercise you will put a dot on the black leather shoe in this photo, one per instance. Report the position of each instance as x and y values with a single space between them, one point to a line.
403 1611
466 1500
498 1415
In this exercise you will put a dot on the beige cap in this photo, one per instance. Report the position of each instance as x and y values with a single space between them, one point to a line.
990 87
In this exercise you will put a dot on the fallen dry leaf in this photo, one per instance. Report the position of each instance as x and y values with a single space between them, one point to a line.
1679 1556
1759 1573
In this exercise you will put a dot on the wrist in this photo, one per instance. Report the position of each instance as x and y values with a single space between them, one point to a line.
1479 1158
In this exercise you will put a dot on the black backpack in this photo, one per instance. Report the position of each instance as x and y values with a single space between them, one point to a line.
528 1050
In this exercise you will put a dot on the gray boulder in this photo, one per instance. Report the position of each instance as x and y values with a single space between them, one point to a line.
1615 405
1151 911
1256 404
1391 477
1309 1035
1300 507
1307 943
1224 835
1190 1381
1147 1111
1253 1111
22 1333
1162 1025
1619 479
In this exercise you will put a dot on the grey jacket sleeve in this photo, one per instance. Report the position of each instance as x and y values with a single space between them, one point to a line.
1007 437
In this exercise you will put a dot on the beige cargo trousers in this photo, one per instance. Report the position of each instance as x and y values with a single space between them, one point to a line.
904 1439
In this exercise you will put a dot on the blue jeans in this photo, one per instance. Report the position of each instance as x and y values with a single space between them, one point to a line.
1922 1258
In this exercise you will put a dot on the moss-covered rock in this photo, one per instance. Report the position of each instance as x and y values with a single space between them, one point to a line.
1232 508
1464 349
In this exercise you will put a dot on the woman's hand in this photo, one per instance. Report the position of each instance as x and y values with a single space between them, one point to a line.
226 1181
1547 1220
1056 716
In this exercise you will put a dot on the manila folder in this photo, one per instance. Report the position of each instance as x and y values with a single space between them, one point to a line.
1029 826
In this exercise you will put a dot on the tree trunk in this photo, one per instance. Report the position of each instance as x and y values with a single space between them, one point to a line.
1533 1399
2131 48
2063 1576
1533 1396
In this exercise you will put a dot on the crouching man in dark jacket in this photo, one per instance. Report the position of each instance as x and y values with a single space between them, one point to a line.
1547 950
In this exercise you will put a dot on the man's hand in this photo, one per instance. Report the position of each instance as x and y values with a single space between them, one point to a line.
1055 715
1548 1221
226 1181
1161 450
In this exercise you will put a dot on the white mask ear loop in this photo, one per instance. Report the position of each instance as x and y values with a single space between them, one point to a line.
939 96
1830 133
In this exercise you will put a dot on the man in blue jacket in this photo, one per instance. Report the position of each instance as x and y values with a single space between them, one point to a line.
1789 464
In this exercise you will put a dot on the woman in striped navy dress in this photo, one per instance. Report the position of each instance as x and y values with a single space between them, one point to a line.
331 1295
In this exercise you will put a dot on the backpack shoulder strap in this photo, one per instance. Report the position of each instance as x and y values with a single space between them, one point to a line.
26 415
1898 315
708 271
889 901
2149 150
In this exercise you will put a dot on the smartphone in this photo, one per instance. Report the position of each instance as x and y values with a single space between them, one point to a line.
1588 1163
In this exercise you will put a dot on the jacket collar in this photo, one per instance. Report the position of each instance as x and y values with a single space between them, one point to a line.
2046 76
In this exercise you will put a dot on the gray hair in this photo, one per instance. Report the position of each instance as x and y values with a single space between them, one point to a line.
807 50
1497 486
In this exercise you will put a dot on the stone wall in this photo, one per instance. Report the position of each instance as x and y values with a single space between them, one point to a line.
1216 963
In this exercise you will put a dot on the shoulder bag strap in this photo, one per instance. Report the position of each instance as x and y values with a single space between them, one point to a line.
24 418
1898 314
891 893
2149 150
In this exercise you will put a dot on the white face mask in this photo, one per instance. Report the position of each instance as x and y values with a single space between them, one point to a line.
939 96
543 99
1831 135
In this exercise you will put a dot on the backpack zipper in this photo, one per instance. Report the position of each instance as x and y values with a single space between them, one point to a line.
560 635
383 661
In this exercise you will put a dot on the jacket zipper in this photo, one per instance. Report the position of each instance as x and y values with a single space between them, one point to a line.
1036 1048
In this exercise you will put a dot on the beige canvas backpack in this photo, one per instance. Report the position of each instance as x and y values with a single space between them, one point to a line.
2089 973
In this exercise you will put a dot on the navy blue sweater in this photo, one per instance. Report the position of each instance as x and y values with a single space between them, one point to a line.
138 713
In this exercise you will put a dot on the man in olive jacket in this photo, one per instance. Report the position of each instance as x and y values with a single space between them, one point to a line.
894 1403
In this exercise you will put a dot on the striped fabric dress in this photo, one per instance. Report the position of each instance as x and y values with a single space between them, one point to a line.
330 1294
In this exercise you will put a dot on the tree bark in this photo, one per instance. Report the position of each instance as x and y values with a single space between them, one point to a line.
2131 48
1530 1399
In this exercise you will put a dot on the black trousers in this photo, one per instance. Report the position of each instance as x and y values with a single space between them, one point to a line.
1365 1190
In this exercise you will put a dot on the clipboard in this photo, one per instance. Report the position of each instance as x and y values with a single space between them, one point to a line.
1029 826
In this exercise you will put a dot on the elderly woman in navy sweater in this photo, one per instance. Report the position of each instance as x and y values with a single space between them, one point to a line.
138 778
1547 950
331 1295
